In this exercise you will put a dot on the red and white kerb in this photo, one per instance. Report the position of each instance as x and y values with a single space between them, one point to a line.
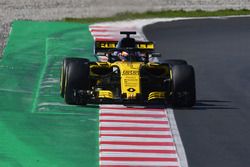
135 137
111 33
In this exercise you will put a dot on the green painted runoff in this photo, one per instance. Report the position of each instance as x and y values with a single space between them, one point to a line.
37 129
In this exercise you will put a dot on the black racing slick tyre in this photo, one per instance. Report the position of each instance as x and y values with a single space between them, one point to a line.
183 85
76 80
65 63
174 62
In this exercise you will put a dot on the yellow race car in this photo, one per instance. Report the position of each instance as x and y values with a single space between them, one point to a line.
127 76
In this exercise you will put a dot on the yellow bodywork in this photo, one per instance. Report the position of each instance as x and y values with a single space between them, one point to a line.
156 95
105 94
130 78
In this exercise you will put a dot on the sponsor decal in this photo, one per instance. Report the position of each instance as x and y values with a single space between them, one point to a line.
130 72
145 46
108 45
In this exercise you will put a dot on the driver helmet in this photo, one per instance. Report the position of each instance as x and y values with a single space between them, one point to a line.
123 55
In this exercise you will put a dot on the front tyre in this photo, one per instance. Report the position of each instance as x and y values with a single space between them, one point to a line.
183 86
66 62
76 79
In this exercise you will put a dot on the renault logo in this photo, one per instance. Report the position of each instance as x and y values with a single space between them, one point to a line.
131 89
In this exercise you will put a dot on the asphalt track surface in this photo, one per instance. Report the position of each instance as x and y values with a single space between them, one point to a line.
216 132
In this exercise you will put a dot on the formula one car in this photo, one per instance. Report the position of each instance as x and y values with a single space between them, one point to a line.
128 76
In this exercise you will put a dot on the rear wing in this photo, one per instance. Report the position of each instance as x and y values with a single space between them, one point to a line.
105 46
145 46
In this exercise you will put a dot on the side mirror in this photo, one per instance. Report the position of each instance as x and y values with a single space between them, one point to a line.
155 55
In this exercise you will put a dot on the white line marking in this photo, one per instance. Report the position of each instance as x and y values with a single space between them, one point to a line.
140 163
110 146
135 139
129 154
136 132
112 106
117 124
133 111
180 149
132 118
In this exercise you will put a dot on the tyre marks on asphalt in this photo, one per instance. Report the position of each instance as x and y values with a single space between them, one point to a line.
142 140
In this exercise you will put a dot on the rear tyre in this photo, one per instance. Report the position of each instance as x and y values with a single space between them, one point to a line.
66 61
76 79
173 62
183 86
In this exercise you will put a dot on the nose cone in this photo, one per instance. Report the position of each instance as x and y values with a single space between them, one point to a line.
130 79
